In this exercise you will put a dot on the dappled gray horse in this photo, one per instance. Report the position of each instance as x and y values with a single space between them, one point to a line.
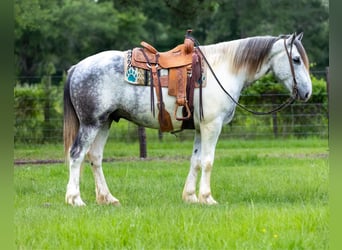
96 94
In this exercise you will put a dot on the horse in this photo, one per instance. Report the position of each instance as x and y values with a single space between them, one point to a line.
96 94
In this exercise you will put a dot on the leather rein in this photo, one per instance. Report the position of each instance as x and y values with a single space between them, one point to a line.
287 103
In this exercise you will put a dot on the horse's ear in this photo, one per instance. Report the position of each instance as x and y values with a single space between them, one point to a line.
291 39
299 36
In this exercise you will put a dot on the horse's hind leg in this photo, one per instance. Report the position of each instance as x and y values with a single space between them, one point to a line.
85 137
95 154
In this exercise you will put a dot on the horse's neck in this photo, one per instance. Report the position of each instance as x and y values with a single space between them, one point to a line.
220 52
222 55
220 59
265 67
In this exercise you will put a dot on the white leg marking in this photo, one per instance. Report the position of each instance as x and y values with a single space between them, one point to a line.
205 196
189 191
209 135
103 195
73 195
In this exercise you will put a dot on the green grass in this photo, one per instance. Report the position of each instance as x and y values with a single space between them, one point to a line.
272 194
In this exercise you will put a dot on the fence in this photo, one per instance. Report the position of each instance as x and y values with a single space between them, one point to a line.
39 116
298 120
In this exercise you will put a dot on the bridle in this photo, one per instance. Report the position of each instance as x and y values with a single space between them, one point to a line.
289 56
287 103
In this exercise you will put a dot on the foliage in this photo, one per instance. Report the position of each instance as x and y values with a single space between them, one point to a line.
267 92
272 194
27 104
37 112
63 32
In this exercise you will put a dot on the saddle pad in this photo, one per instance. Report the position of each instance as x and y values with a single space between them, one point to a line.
142 77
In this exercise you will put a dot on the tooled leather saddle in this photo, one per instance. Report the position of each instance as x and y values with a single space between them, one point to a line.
184 72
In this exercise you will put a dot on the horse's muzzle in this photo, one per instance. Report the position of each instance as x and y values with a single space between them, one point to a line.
304 95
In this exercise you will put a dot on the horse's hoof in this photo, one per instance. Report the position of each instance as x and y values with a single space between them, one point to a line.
108 200
74 200
116 203
207 199
190 198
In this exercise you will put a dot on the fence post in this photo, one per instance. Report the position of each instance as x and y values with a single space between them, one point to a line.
160 135
142 142
327 87
275 124
274 118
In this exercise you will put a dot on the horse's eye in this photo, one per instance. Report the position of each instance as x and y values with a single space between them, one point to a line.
296 59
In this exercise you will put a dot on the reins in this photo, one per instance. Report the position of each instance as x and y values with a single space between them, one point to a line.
288 102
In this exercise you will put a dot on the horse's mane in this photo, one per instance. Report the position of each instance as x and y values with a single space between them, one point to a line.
250 53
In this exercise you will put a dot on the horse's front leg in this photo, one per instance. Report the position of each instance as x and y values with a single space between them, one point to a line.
209 136
189 191
95 154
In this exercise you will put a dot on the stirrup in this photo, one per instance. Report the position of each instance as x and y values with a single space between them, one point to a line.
187 110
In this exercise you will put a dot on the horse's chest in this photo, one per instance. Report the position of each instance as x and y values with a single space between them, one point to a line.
229 114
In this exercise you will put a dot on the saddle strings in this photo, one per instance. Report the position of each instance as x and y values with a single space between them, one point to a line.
151 76
288 102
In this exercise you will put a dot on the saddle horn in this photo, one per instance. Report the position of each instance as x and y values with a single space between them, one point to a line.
188 42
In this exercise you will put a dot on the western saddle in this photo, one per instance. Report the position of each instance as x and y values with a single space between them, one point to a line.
184 71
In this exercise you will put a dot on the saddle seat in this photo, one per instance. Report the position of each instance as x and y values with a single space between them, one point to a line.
179 56
184 68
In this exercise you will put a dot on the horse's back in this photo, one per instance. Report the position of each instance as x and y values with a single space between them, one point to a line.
105 62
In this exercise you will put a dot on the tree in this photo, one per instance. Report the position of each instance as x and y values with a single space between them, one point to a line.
65 32
62 32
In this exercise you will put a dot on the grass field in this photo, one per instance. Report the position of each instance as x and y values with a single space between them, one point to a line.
272 194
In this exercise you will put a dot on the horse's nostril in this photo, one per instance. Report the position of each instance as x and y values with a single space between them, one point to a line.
306 95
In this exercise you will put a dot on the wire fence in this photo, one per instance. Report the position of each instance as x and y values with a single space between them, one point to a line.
298 120
39 119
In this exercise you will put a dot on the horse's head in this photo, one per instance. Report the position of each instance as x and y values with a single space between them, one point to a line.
290 65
